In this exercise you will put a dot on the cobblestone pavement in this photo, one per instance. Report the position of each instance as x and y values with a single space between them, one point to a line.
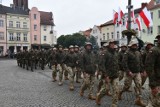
22 88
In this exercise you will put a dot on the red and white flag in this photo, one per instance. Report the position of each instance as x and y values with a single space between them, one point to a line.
146 16
138 21
133 16
115 16
120 16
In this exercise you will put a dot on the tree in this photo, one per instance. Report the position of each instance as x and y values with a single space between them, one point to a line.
74 39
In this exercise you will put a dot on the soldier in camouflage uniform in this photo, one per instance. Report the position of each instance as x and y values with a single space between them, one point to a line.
71 60
53 62
79 63
144 54
89 69
133 66
60 61
120 58
152 67
111 74
65 66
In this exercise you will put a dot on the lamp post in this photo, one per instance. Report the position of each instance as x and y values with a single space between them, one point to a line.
129 31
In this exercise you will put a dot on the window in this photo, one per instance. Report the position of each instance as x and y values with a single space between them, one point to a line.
123 22
152 15
45 38
104 38
24 24
158 13
107 35
45 28
35 37
35 16
117 24
11 38
158 29
35 27
1 35
112 35
10 24
25 37
1 23
18 24
117 35
18 37
150 30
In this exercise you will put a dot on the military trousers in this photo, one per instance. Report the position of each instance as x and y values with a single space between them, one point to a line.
138 83
65 70
78 73
88 82
114 83
54 71
60 71
71 71
154 97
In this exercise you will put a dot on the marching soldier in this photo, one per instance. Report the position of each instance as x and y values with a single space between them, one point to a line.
71 60
111 75
60 61
144 55
79 63
89 68
133 67
153 70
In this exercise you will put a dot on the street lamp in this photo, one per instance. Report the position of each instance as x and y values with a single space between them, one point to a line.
129 32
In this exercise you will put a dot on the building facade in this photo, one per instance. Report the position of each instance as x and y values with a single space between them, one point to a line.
35 28
3 47
107 31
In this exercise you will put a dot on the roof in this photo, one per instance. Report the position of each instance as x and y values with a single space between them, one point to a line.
151 5
99 27
46 18
87 32
107 23
12 10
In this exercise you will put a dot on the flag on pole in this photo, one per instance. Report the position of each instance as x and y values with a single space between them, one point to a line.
146 16
138 21
120 16
115 16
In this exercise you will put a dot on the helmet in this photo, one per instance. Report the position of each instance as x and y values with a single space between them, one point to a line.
158 36
54 48
60 46
133 43
111 41
148 43
76 46
123 45
71 46
105 44
88 43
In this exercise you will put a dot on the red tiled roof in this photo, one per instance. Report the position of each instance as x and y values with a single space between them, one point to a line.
46 18
107 23
151 5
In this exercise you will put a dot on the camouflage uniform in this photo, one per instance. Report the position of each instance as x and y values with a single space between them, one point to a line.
133 66
153 70
89 69
71 60
65 66
112 74
60 61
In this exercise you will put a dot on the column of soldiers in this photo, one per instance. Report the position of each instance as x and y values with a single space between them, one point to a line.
110 65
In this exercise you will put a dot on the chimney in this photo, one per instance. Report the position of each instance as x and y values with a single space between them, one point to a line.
143 5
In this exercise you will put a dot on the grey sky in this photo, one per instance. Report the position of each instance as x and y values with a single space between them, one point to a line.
74 15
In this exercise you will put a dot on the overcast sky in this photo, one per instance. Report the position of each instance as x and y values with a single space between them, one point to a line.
74 15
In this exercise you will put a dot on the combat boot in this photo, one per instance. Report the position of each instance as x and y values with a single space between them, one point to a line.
81 93
108 93
60 83
139 102
98 100
91 97
71 88
114 105
54 79
78 81
66 78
